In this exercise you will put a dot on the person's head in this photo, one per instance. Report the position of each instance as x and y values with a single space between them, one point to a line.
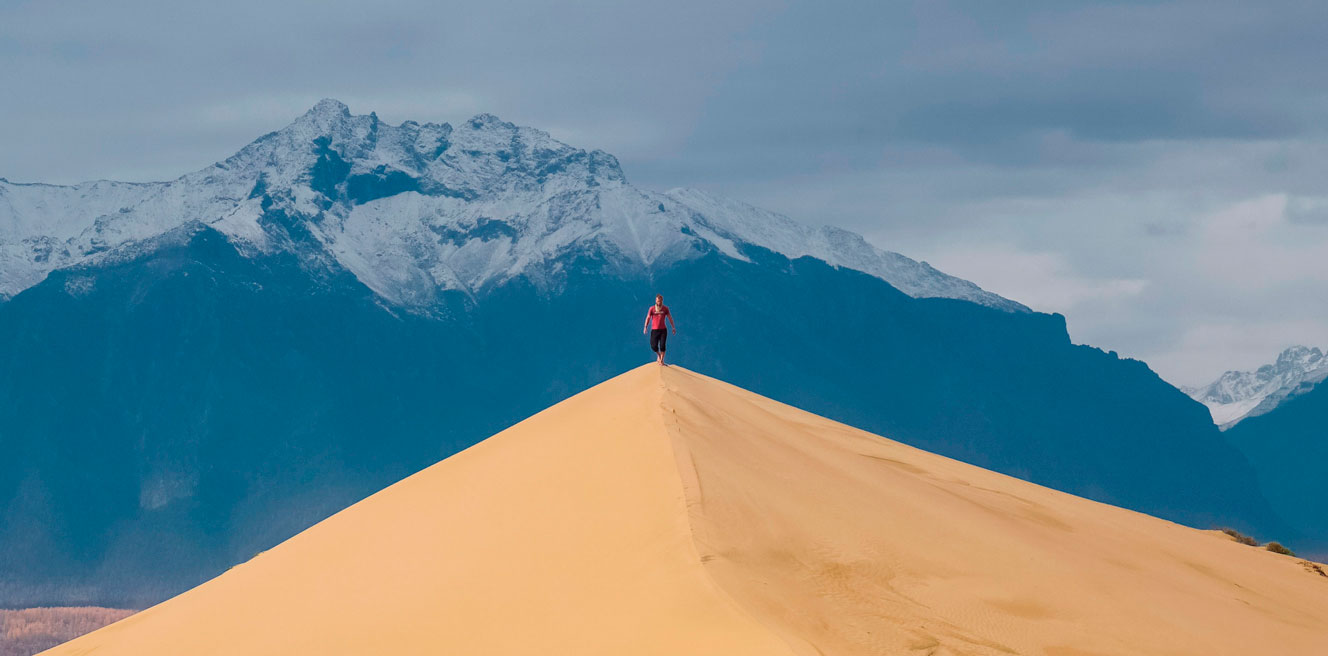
659 299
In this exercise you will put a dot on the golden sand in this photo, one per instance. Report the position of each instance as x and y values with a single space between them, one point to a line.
665 512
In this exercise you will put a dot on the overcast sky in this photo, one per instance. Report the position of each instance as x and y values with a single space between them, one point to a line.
1156 171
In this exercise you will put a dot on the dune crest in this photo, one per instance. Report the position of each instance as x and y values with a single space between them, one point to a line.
665 512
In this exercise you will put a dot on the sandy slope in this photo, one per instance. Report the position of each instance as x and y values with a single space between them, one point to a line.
664 512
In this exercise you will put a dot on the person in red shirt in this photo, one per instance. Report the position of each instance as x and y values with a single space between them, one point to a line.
655 317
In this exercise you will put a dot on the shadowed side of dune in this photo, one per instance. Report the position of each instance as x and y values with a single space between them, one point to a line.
857 544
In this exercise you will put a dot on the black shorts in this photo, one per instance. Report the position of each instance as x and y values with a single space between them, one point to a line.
657 338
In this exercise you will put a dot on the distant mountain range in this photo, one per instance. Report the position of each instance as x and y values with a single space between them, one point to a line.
195 370
1238 395
419 209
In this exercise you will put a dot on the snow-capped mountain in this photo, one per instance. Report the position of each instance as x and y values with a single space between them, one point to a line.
415 209
1238 395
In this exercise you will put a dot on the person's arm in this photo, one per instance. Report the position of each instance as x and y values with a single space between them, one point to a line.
675 326
646 327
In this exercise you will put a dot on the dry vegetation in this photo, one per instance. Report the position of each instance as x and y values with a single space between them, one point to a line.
1275 547
1240 537
26 632
1314 568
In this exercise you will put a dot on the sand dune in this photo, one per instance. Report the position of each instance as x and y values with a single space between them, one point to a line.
664 512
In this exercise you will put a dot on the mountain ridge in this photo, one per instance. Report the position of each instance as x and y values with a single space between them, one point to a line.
417 208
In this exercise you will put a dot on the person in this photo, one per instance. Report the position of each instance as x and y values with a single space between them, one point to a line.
655 317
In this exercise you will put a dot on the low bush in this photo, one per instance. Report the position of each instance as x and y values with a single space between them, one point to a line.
1240 537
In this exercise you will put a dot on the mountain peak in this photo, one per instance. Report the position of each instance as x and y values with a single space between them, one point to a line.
1298 356
325 114
329 107
484 120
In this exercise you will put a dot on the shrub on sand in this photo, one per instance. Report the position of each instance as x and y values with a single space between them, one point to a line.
1240 537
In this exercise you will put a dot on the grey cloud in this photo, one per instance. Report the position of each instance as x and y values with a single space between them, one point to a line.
1308 210
1165 229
